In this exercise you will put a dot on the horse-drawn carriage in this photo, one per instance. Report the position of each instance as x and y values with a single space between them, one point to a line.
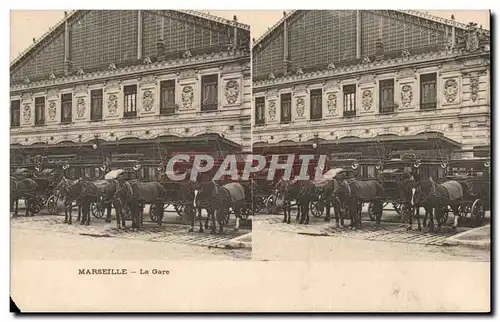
474 178
36 188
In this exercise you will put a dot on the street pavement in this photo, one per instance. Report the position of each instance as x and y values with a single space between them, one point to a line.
41 233
321 241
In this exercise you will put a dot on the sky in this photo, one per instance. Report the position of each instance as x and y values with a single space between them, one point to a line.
29 24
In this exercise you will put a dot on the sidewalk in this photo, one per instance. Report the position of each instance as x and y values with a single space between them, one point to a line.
477 237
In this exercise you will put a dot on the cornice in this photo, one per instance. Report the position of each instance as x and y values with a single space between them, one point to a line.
222 57
399 62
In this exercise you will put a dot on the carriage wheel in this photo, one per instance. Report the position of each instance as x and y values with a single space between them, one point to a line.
152 212
96 210
270 205
52 205
371 211
317 208
398 207
258 204
406 211
35 206
444 215
245 213
179 209
478 213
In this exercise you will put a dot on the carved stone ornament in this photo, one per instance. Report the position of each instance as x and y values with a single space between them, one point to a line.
80 107
232 91
187 96
112 66
148 100
367 99
450 90
300 107
80 72
272 110
52 110
406 95
472 39
331 103
112 104
474 88
27 113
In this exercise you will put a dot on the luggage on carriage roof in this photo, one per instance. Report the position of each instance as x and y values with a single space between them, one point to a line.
114 174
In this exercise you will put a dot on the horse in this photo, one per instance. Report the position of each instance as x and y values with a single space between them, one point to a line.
302 191
353 193
69 191
437 197
26 189
107 189
184 193
13 194
330 199
135 194
217 200
405 188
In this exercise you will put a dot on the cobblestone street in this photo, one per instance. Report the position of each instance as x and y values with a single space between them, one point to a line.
320 240
172 233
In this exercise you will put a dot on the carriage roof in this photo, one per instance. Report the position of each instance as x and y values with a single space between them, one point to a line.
22 171
333 173
113 174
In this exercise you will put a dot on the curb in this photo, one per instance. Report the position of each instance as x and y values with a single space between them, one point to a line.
236 243
454 240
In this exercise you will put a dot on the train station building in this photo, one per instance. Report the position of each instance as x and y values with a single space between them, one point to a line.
107 87
373 85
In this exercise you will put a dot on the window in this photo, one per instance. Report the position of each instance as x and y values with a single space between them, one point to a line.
428 92
39 111
96 105
286 108
167 93
130 101
209 97
386 97
260 107
66 108
349 100
15 113
316 104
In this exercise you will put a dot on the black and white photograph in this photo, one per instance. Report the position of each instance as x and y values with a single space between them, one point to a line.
394 106
102 104
244 160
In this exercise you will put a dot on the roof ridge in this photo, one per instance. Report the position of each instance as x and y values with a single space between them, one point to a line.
269 30
429 16
43 36
410 12
71 13
215 18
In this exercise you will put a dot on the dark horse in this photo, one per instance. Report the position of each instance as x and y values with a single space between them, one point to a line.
135 194
26 189
302 191
354 193
437 197
329 198
69 191
107 189
217 200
